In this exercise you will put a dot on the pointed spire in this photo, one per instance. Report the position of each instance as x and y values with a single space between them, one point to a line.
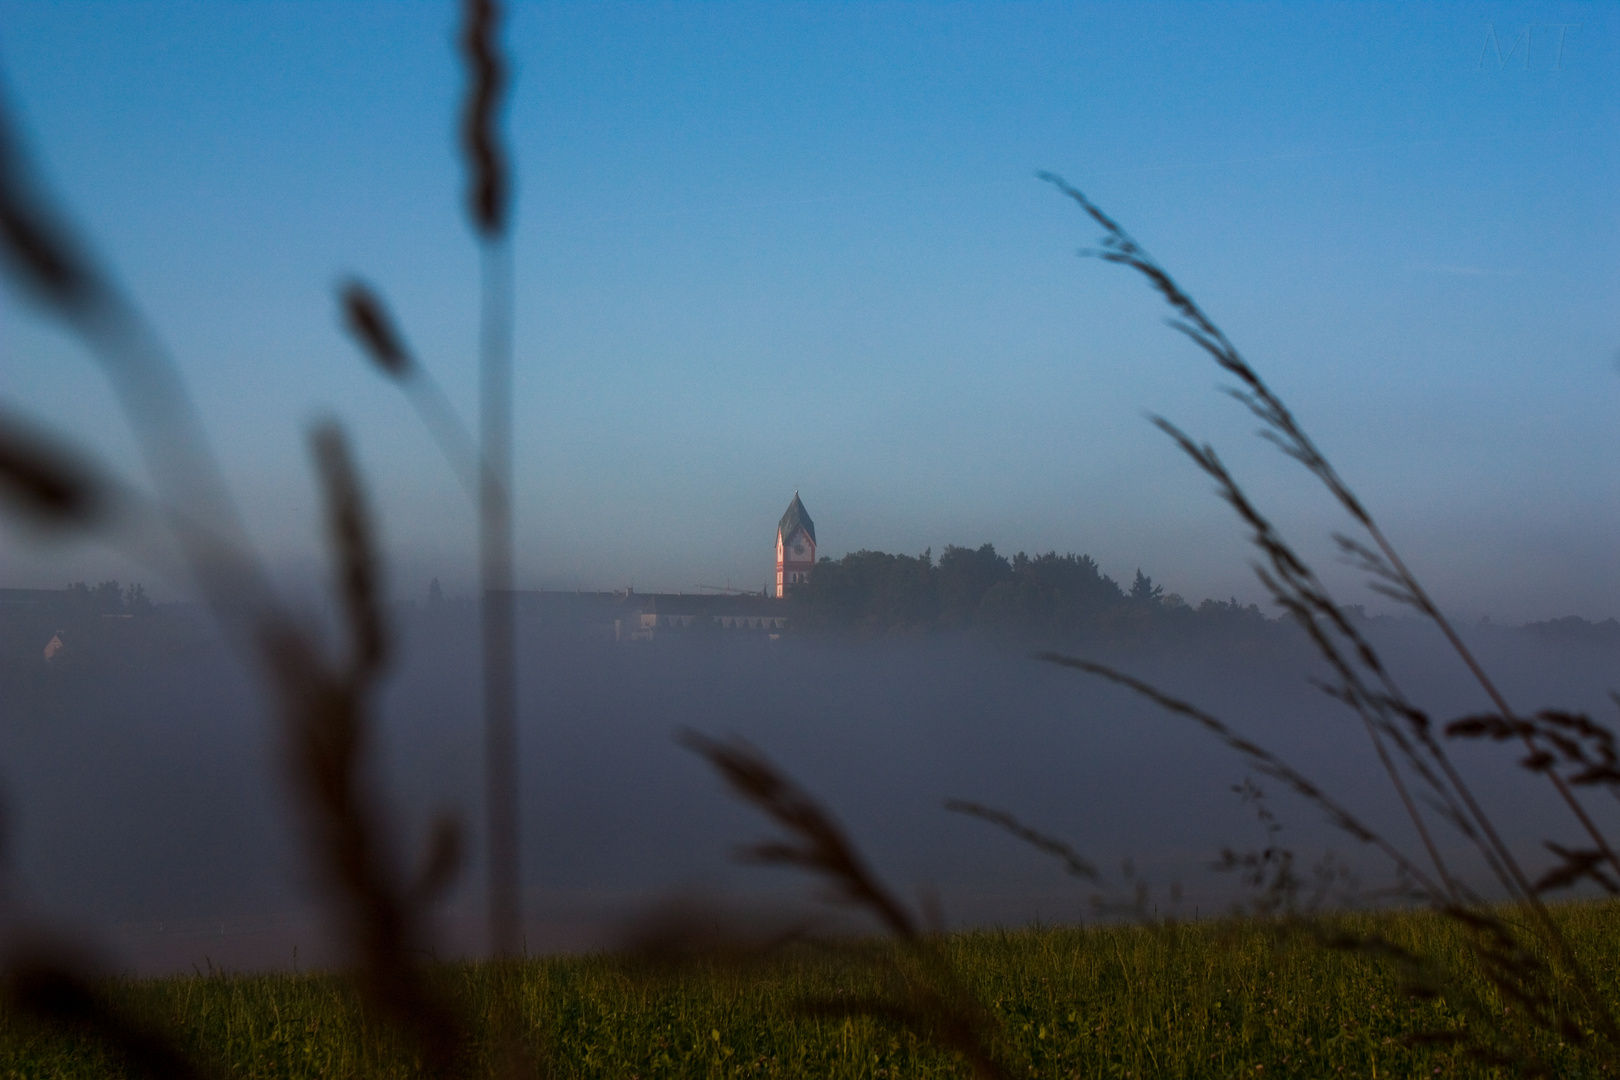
796 517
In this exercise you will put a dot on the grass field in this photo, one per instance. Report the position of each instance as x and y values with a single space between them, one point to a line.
1218 998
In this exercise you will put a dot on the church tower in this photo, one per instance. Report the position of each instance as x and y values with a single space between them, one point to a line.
795 547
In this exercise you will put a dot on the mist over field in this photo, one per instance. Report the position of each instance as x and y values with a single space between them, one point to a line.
147 804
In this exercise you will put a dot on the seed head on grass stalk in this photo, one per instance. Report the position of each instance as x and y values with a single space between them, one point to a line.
51 264
327 715
44 485
52 486
489 187
1508 957
816 843
1074 864
927 998
367 319
484 468
489 174
489 208
1379 558
323 704
1106 901
40 252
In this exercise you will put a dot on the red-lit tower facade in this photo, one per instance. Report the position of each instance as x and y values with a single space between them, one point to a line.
795 547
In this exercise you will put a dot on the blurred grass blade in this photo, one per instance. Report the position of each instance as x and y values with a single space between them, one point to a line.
47 988
489 185
818 844
489 206
446 854
44 484
1074 864
368 321
37 248
355 549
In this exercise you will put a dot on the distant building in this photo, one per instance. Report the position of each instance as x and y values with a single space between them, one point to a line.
627 615
661 615
795 546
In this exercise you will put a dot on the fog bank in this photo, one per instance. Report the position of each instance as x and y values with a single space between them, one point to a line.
148 809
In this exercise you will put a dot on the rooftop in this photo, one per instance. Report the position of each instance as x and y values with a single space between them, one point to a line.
795 518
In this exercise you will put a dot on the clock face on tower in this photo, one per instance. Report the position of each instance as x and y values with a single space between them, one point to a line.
801 550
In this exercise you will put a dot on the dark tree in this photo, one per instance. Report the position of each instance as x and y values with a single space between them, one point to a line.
136 602
868 592
965 576
1143 589
1051 594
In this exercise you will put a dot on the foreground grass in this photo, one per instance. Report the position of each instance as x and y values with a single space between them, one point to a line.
1216 999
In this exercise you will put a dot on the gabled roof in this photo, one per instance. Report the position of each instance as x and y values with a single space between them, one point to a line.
795 518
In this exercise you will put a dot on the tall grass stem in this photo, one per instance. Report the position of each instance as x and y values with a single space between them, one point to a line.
495 564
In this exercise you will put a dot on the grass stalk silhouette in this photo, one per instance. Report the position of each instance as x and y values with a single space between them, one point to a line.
489 204
484 468
324 704
1529 963
927 996
369 322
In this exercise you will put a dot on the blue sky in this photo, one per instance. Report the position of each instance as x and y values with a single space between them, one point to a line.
768 246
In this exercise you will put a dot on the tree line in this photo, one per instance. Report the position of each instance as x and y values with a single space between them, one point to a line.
874 593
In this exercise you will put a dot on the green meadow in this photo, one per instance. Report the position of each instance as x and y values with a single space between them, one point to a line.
1222 998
